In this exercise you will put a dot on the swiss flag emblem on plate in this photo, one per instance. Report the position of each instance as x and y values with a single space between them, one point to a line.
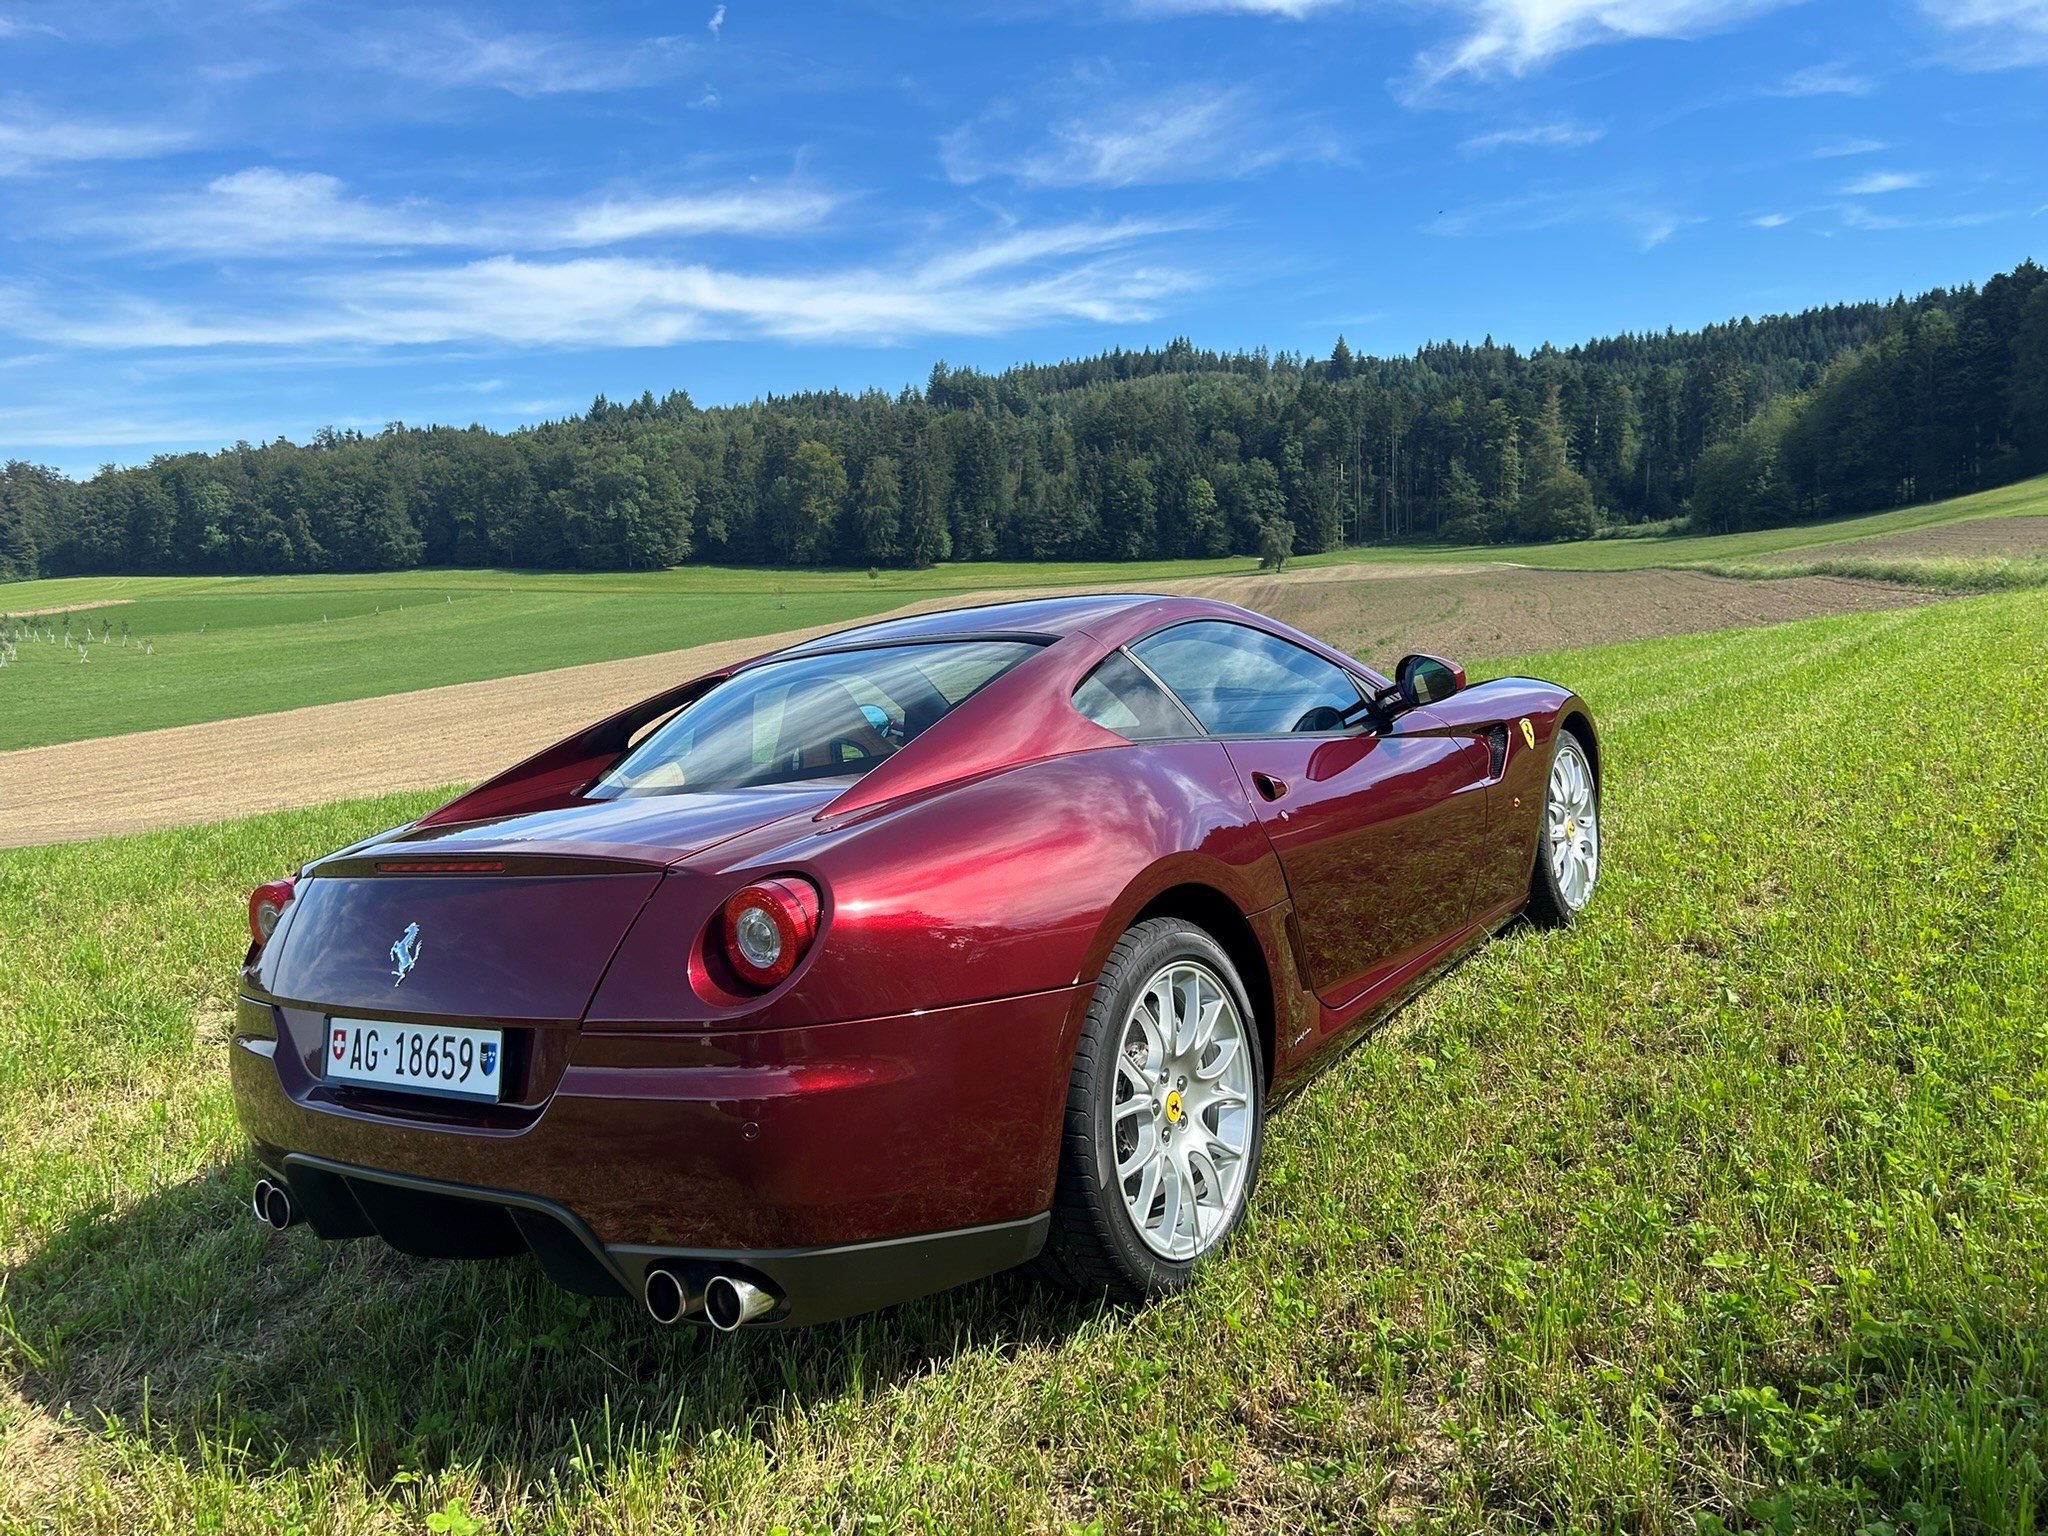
340 1043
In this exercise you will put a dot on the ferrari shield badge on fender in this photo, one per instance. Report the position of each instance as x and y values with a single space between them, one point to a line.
1528 731
405 953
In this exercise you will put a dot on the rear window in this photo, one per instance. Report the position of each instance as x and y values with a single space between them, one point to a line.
1118 696
834 715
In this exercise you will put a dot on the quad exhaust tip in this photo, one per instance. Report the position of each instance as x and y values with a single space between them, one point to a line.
725 1302
273 1206
670 1296
730 1301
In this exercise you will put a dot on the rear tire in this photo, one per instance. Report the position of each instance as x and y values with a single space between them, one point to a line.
1165 1115
1568 838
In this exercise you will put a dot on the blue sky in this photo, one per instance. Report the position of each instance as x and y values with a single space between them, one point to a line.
238 220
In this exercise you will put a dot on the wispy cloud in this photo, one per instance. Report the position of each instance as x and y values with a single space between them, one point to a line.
1515 37
1843 148
266 211
1642 216
1088 271
1855 216
1193 133
717 21
450 51
30 139
1884 181
1292 10
1772 220
1822 80
1994 34
1561 135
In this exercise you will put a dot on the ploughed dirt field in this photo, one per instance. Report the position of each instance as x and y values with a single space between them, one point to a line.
1990 538
468 731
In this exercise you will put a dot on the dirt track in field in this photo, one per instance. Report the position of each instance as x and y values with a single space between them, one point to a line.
101 602
465 732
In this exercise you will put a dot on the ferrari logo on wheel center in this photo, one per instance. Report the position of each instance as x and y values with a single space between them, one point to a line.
1173 1107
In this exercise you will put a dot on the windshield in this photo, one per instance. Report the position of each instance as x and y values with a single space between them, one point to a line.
812 717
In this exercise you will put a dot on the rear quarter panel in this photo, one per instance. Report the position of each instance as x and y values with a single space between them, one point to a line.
1001 886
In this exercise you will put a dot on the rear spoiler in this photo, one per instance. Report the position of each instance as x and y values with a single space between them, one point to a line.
557 775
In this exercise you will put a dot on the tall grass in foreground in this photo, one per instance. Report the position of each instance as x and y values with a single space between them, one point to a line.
1724 1207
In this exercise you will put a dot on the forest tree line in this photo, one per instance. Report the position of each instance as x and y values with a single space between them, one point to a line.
1127 455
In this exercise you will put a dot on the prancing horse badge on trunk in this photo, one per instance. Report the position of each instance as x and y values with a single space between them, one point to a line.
405 954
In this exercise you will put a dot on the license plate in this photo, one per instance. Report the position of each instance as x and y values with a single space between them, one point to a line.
464 1063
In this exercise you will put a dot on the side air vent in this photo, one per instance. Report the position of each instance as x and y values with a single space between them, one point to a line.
1496 749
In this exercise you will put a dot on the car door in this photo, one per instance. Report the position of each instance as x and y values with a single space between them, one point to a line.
1378 831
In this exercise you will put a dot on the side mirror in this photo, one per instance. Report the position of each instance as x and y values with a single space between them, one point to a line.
1421 679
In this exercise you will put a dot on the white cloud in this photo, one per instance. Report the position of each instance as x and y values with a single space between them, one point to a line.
1844 148
1823 80
1994 34
449 51
1643 217
1884 181
1514 37
717 21
1292 10
1193 133
1857 217
1083 271
266 211
29 139
1541 136
1772 220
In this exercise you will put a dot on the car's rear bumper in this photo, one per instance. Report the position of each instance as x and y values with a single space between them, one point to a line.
849 1165
434 1219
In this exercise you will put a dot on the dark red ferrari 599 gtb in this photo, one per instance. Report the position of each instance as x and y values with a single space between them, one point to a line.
896 958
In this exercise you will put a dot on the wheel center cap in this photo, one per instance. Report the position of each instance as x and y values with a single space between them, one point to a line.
1173 1107
1571 828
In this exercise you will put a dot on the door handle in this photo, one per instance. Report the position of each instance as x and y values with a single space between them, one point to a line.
1269 786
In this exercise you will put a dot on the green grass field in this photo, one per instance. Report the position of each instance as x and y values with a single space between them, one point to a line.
231 646
2027 498
1722 1208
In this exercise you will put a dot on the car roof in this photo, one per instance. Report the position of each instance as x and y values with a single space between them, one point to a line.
1054 617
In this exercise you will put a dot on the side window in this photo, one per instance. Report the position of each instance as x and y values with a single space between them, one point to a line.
1241 681
1121 698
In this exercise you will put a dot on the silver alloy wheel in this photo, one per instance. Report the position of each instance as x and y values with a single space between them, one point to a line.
1181 1120
1572 824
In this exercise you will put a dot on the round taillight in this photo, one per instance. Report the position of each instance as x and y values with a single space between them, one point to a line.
266 906
768 926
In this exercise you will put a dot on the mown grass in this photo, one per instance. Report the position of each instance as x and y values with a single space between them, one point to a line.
1723 1207
1938 573
232 646
2026 498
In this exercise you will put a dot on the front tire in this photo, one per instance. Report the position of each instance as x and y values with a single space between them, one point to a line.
1568 842
1165 1115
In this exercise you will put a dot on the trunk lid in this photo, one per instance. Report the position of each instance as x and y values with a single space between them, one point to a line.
512 921
516 947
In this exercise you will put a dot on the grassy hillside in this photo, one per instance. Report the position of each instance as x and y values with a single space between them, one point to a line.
229 646
1723 1207
2028 497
